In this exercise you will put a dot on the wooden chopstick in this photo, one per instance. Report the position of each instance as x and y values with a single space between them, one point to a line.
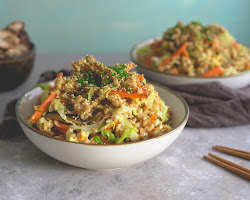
229 167
234 152
229 162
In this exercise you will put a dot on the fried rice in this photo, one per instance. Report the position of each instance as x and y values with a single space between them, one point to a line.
101 104
196 50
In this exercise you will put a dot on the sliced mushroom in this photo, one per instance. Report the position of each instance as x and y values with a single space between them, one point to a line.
8 39
16 27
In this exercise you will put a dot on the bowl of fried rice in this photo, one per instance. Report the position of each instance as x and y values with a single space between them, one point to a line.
194 53
102 117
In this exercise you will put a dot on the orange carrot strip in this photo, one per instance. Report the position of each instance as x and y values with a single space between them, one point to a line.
248 67
141 77
126 94
42 108
59 75
141 85
177 53
236 45
153 117
175 71
130 66
216 71
185 53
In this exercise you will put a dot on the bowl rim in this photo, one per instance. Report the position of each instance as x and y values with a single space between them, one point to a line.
30 50
182 123
147 41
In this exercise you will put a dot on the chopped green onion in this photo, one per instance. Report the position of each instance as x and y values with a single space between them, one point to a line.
126 134
110 135
43 86
97 140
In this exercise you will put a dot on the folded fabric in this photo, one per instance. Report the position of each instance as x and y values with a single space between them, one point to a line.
215 105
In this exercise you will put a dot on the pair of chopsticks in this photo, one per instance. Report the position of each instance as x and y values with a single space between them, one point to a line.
226 164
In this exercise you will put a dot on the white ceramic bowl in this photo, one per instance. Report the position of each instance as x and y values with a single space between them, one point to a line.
102 157
235 82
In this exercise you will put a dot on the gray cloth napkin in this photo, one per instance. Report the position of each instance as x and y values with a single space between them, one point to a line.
215 105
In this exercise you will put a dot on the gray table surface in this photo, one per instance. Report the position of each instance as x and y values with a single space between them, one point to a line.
179 172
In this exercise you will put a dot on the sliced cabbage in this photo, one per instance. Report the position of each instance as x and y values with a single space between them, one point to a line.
90 94
107 125
164 111
156 62
146 50
90 128
130 131
229 71
125 123
127 133
134 135
43 86
110 135
61 111
123 109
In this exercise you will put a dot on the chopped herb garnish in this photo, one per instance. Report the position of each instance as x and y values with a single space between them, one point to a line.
196 23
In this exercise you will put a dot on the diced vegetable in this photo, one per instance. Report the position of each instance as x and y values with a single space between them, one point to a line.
127 133
164 109
90 94
110 135
177 53
97 140
216 71
42 108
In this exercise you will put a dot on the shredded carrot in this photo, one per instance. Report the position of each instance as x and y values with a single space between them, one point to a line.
42 108
216 71
153 117
185 53
59 75
175 71
126 94
141 85
141 77
111 127
130 66
248 67
236 45
177 53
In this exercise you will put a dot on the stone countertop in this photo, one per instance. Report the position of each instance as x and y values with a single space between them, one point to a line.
179 172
